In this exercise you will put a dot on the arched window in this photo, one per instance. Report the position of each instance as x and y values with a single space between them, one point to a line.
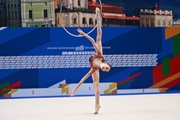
74 21
74 18
84 20
90 21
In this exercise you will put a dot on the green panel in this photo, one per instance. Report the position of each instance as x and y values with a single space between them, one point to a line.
176 45
166 66
4 85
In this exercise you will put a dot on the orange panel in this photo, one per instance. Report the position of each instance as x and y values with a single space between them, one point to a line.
171 31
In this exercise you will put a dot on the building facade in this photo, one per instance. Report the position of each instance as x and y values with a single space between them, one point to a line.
3 13
37 13
82 13
27 13
13 13
132 7
176 22
156 17
75 13
114 15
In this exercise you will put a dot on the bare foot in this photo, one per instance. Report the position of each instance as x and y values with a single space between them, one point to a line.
98 15
97 11
97 109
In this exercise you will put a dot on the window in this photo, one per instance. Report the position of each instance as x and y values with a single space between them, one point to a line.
74 21
11 6
19 15
84 21
90 21
9 14
79 2
45 12
152 22
0 13
147 22
12 15
169 22
16 15
163 22
30 14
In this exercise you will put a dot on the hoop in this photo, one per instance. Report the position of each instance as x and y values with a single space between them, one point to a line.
74 34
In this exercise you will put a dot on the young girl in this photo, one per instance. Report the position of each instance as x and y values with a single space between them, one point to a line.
97 61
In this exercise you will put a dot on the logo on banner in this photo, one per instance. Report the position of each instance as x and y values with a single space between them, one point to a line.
65 88
112 89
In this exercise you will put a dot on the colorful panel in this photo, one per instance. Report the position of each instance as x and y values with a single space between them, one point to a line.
176 45
140 58
166 66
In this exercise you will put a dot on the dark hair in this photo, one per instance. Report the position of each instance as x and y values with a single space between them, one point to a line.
109 65
104 61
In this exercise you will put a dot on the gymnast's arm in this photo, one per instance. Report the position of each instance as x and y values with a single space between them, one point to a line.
90 39
81 81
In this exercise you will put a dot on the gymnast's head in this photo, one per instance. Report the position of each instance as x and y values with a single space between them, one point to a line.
105 67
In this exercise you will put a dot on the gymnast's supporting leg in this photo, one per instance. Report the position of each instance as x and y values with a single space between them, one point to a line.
99 31
95 77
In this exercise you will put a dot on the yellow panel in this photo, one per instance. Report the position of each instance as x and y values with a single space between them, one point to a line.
111 86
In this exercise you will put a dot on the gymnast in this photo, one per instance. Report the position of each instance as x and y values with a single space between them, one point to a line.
97 62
